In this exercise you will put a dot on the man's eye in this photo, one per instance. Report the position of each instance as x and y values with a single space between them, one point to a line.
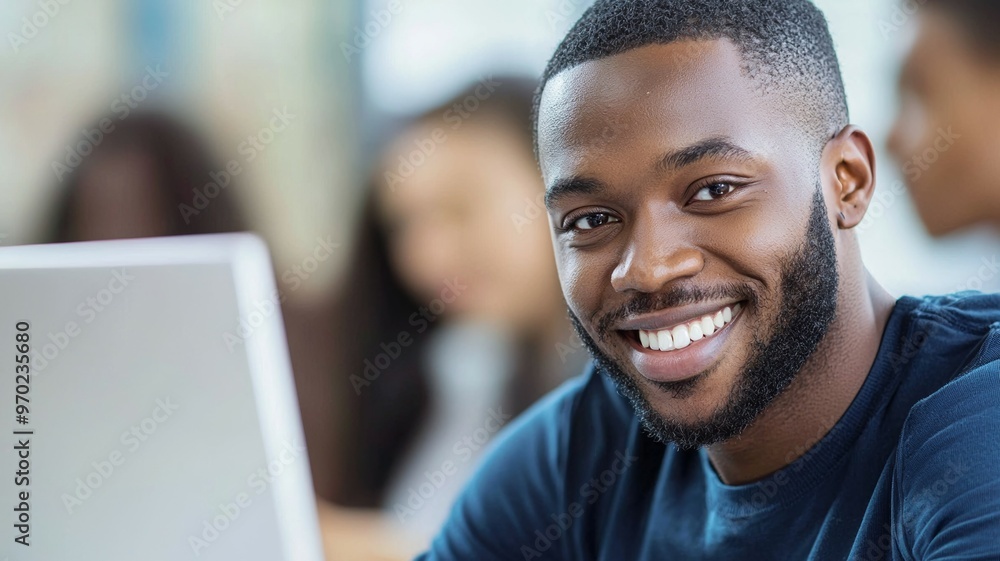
592 221
714 191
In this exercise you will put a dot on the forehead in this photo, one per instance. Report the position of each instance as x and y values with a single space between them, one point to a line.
652 99
432 165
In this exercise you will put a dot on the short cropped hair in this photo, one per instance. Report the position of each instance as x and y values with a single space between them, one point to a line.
785 44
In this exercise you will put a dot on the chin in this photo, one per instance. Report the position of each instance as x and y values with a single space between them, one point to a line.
939 227
695 400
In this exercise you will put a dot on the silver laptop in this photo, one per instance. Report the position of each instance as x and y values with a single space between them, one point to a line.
147 409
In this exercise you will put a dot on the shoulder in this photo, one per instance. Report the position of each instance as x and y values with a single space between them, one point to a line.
952 419
946 486
968 397
938 337
969 310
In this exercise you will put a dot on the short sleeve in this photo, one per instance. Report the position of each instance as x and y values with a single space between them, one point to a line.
946 489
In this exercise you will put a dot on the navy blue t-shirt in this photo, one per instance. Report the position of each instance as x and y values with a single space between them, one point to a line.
911 471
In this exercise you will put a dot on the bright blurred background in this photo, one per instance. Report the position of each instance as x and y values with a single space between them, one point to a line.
304 96
345 73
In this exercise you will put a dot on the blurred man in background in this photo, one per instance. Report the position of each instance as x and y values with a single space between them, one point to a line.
947 133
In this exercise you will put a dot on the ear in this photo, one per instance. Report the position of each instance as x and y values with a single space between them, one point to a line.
848 165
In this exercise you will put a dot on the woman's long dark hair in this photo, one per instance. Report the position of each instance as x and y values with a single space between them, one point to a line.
384 416
384 408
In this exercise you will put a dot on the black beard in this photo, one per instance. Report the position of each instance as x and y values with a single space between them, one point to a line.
809 283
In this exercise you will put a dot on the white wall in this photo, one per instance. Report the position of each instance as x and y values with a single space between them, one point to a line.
237 68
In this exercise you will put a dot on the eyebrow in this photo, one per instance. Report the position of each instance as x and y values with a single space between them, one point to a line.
572 186
715 147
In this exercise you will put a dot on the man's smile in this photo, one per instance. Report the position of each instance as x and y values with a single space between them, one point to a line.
681 334
679 343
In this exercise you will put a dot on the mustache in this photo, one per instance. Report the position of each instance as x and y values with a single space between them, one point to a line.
643 303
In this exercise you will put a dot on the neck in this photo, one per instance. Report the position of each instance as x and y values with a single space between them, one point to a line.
819 395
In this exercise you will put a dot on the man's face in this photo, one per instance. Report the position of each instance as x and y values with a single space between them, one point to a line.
685 207
947 130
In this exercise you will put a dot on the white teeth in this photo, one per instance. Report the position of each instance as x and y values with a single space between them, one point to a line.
666 340
707 326
694 329
683 335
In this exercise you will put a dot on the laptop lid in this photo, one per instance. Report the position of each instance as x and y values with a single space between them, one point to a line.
149 406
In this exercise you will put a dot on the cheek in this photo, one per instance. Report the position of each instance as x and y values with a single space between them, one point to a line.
749 249
582 284
751 242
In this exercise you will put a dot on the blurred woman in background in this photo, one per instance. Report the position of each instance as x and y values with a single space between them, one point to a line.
141 181
946 137
452 319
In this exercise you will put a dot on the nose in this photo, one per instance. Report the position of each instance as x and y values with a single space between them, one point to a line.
654 259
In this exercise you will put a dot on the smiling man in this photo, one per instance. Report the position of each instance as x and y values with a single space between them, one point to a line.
755 393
